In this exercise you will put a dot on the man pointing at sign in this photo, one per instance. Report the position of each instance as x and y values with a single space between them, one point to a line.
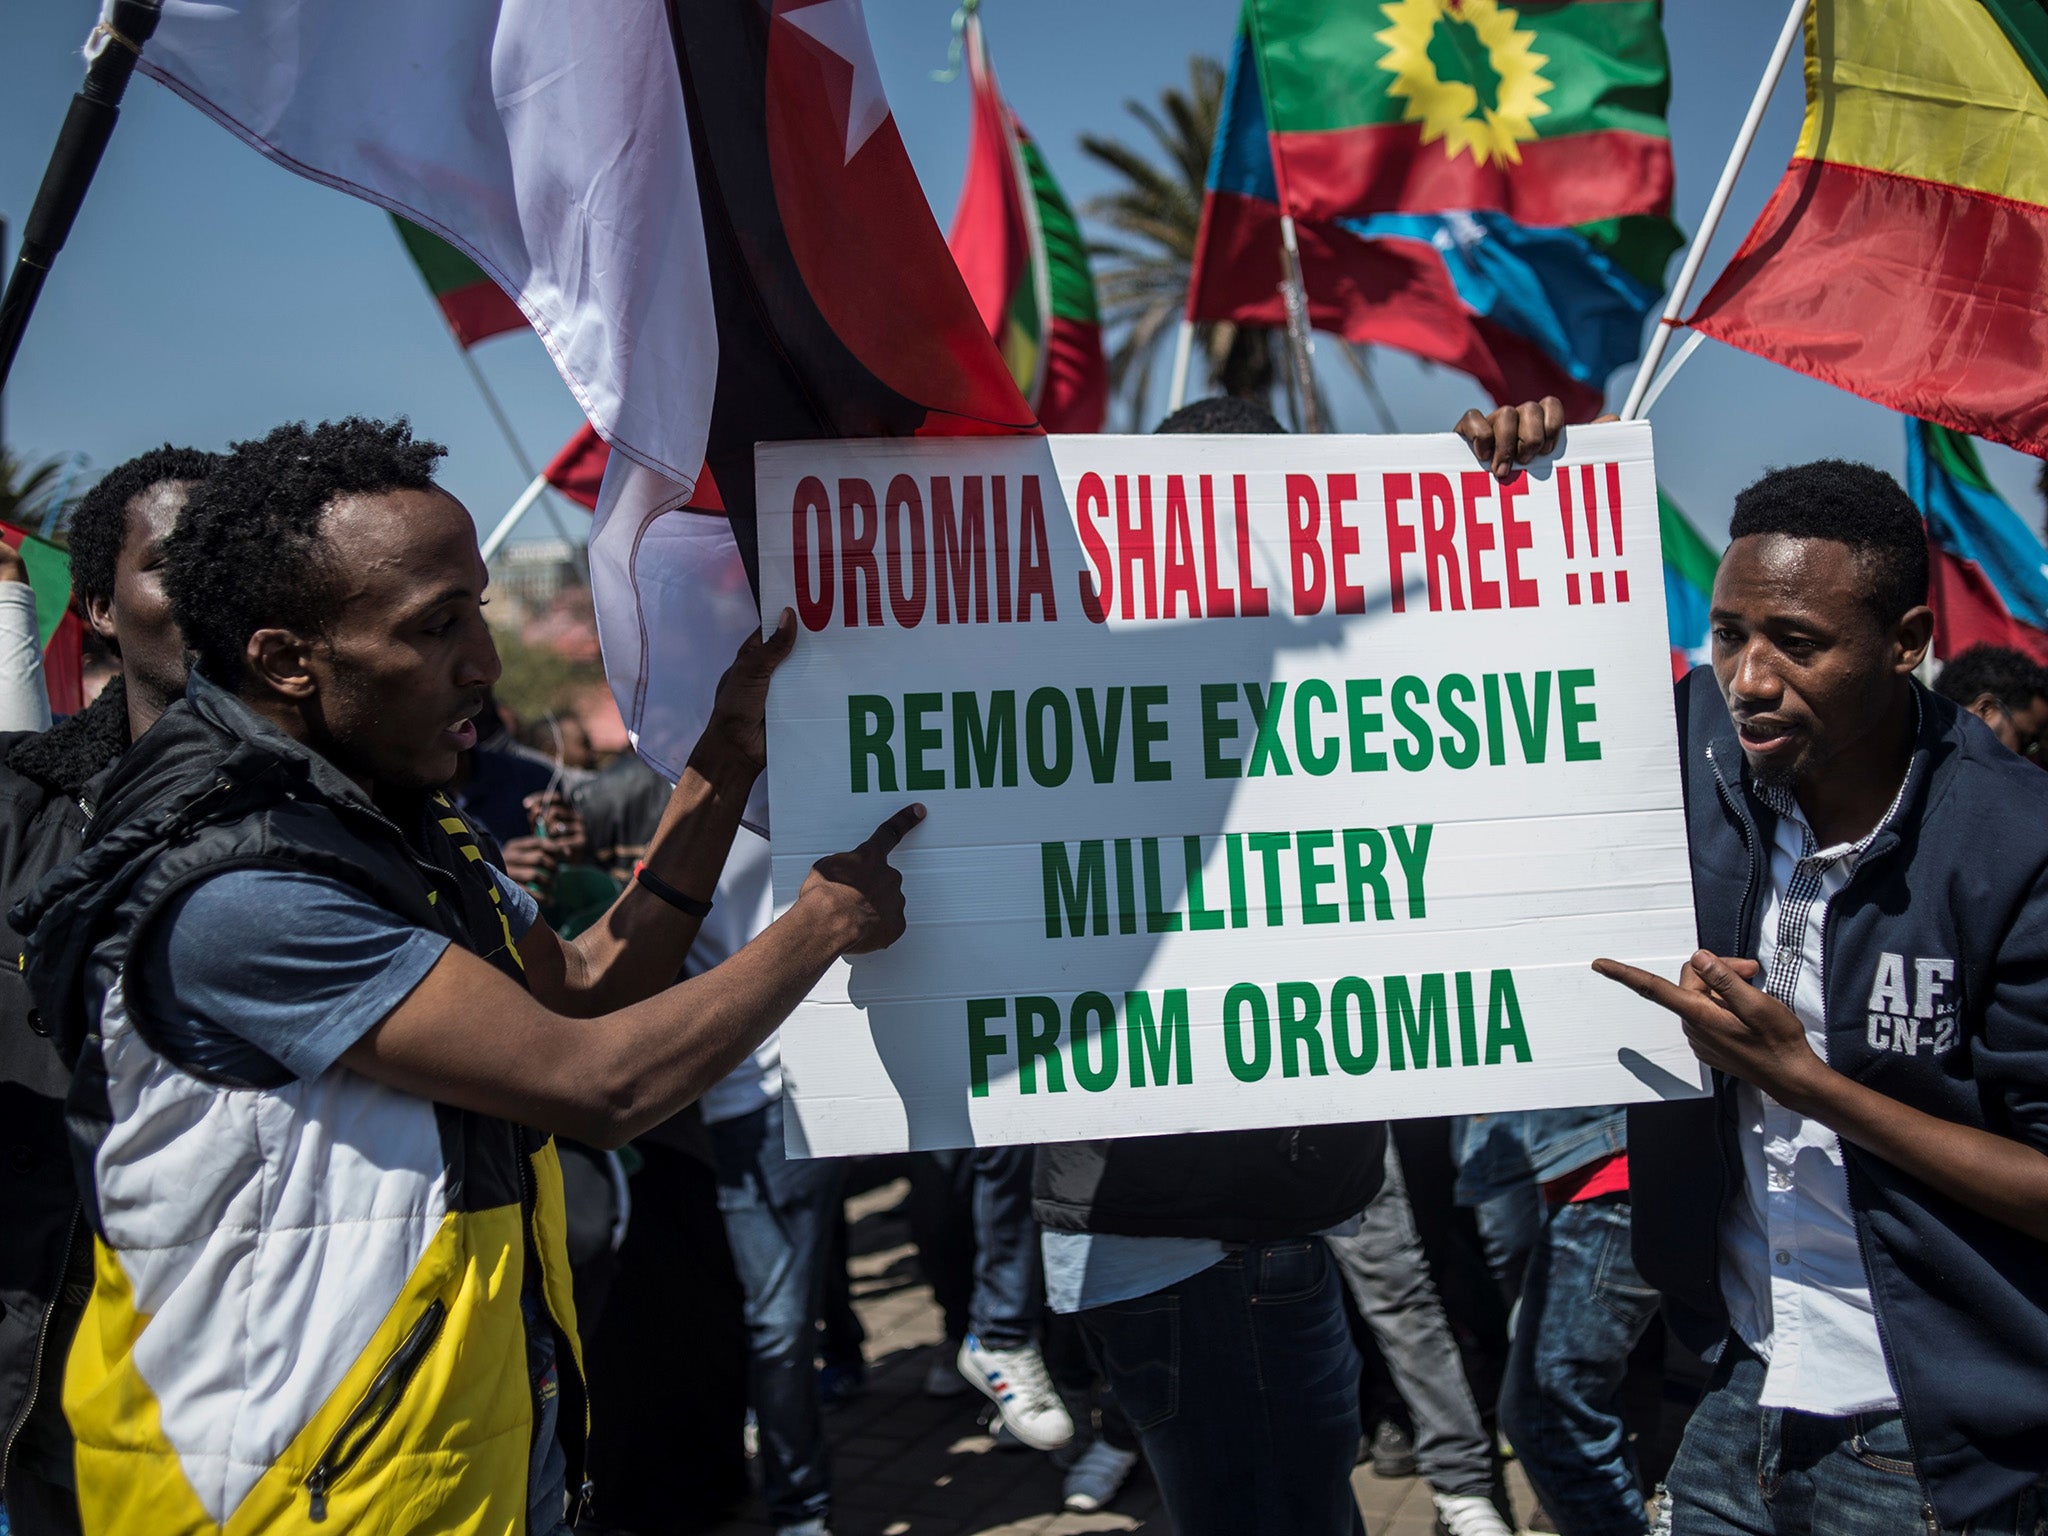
323 1041
1870 872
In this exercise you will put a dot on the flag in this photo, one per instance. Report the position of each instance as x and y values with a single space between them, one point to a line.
1025 262
1549 113
708 216
1904 256
58 625
1988 573
577 471
1526 312
1689 566
475 308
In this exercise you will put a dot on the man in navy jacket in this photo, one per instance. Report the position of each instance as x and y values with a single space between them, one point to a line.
1863 1204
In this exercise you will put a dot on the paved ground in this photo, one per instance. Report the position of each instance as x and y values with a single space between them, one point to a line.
908 1465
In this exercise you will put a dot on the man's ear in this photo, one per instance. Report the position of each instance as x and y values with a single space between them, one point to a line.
1913 634
99 613
1987 708
282 660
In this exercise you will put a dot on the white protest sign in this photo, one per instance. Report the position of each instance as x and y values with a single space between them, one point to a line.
1272 781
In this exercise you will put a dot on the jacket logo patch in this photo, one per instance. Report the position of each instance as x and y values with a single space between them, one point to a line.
1913 1005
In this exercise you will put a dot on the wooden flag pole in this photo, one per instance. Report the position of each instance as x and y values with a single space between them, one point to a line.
1697 254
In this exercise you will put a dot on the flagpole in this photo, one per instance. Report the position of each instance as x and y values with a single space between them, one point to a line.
1656 392
491 404
1301 346
495 540
1696 255
1183 351
113 49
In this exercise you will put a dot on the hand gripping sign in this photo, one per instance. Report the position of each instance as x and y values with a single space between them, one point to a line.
1272 781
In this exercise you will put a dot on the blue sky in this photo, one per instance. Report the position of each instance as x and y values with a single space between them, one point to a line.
207 295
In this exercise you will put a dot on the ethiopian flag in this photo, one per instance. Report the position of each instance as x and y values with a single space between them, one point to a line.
1551 112
1904 256
1021 252
475 308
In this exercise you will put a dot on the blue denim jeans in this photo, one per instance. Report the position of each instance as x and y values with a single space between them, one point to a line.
779 1218
978 1241
1583 1308
1242 1385
1747 1470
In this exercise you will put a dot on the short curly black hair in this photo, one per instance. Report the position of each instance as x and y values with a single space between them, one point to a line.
99 523
1852 504
2012 678
248 554
1221 413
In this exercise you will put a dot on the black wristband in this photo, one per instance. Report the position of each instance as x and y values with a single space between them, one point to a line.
654 885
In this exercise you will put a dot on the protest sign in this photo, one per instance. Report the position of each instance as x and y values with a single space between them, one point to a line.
1272 781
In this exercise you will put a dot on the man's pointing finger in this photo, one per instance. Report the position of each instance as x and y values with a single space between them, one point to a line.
885 837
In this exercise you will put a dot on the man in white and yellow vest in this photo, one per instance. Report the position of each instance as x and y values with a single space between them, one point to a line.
322 1042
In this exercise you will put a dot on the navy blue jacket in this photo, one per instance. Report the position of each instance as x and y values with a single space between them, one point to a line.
1950 902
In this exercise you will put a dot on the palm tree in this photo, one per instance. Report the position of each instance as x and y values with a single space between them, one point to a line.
1143 275
32 495
1143 278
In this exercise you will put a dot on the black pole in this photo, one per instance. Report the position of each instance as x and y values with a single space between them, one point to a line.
80 143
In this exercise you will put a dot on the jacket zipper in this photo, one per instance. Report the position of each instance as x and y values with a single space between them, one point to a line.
565 1357
35 1370
1849 1174
1731 1171
376 1408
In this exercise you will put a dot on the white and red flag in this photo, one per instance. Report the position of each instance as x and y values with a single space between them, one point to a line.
705 210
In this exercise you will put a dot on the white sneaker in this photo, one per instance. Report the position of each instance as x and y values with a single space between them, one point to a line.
1015 1380
1097 1476
1469 1514
942 1376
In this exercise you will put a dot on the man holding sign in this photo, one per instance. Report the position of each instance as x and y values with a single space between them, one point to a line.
1871 990
1279 786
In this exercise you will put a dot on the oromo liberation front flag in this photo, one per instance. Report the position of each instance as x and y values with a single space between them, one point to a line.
1525 311
1904 256
573 153
1021 252
1550 112
1988 574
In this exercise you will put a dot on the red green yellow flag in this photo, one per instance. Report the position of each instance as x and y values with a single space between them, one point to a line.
1550 111
474 307
1904 256
1020 249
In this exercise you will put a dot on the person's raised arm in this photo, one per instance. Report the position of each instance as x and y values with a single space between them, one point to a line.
638 946
469 1036
1748 1034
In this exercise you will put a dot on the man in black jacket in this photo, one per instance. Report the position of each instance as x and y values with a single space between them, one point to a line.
1870 873
1195 1269
117 537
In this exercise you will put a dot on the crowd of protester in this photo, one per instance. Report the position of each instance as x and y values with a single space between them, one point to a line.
348 1022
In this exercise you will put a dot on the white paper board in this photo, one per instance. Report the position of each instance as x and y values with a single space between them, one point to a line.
1432 671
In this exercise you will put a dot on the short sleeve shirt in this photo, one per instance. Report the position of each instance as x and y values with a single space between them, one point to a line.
261 976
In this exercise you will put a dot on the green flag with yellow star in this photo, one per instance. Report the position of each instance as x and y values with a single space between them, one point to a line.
1551 111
